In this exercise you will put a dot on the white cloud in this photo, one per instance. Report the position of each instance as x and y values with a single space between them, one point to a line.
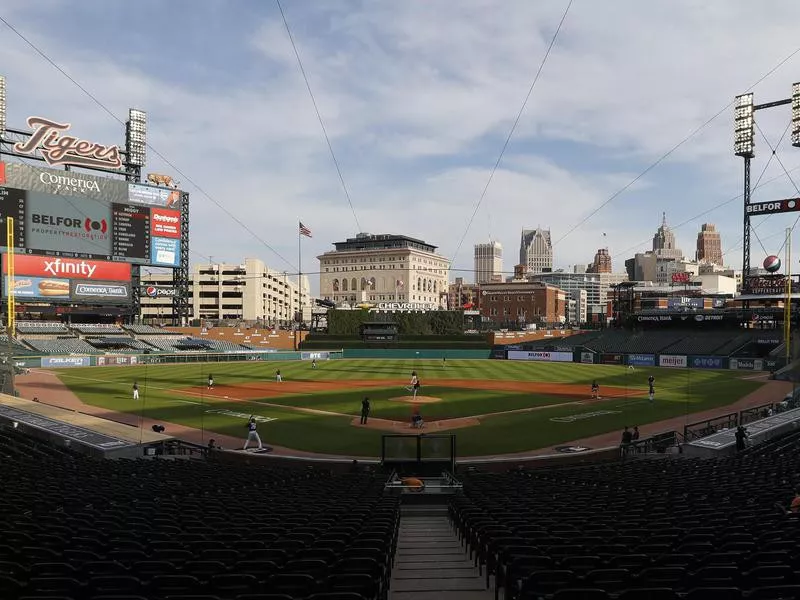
418 98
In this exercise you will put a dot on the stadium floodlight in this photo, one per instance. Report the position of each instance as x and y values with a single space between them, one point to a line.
744 140
2 106
136 137
796 115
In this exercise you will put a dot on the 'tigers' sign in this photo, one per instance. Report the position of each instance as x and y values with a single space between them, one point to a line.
58 149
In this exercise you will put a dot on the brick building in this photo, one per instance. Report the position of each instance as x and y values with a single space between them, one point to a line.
523 302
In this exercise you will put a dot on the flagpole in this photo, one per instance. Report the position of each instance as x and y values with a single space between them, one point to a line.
299 281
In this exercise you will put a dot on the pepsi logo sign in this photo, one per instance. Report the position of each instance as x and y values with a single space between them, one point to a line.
152 291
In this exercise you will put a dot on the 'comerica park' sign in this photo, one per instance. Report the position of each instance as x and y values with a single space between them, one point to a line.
699 318
769 285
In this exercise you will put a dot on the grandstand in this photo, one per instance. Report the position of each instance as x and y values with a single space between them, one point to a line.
76 527
668 528
61 345
739 342
103 329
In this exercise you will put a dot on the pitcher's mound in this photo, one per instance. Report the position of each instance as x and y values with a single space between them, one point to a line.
417 400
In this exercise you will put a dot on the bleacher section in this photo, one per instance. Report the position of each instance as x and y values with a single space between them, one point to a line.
42 327
668 529
706 342
45 337
148 330
67 345
119 343
164 343
77 528
98 329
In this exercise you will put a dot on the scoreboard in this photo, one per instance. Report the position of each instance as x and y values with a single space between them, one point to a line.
80 216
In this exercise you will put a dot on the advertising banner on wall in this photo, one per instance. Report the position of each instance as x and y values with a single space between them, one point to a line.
314 355
642 360
542 356
110 361
50 279
587 358
64 183
746 364
707 362
611 359
681 302
58 362
672 360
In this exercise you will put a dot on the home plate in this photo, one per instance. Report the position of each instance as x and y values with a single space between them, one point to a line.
416 400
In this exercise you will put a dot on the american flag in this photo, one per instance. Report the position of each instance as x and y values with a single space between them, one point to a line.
305 230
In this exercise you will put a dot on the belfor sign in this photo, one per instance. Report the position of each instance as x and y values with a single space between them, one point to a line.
62 150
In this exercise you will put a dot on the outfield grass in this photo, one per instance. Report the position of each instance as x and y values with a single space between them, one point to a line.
679 392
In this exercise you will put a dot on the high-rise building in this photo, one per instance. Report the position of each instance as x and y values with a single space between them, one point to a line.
664 244
488 261
536 251
709 245
602 262
383 268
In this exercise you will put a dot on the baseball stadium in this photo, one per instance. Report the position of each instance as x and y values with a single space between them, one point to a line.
364 450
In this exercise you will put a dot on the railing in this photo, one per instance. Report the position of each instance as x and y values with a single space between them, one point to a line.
701 429
755 413
658 443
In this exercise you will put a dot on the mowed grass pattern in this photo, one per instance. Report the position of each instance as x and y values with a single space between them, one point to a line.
678 392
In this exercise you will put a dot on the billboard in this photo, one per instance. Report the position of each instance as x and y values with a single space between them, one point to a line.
110 361
49 279
611 359
57 362
746 364
685 302
542 356
642 360
672 360
707 362
75 215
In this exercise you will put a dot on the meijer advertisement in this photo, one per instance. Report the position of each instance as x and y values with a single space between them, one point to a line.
672 360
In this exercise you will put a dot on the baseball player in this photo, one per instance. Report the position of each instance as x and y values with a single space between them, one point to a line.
415 384
135 390
252 433
278 376
651 388
210 381
595 390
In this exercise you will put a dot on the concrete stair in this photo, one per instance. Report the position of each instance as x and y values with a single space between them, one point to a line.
431 564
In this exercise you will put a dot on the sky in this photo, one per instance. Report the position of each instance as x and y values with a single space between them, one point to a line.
418 98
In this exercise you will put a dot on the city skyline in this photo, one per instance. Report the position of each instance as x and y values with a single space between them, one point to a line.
417 100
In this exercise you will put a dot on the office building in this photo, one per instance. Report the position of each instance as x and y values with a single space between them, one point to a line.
488 262
523 303
601 263
709 245
384 268
536 250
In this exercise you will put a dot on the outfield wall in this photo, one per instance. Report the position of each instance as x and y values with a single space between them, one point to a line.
679 361
108 360
674 361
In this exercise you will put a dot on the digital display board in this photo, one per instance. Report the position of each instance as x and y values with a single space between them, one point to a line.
58 279
80 216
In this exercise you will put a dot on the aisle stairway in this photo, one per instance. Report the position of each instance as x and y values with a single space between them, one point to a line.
431 564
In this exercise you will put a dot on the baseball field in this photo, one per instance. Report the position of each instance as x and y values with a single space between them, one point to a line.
495 407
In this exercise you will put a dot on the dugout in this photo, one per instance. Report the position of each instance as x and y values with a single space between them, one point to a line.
380 332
